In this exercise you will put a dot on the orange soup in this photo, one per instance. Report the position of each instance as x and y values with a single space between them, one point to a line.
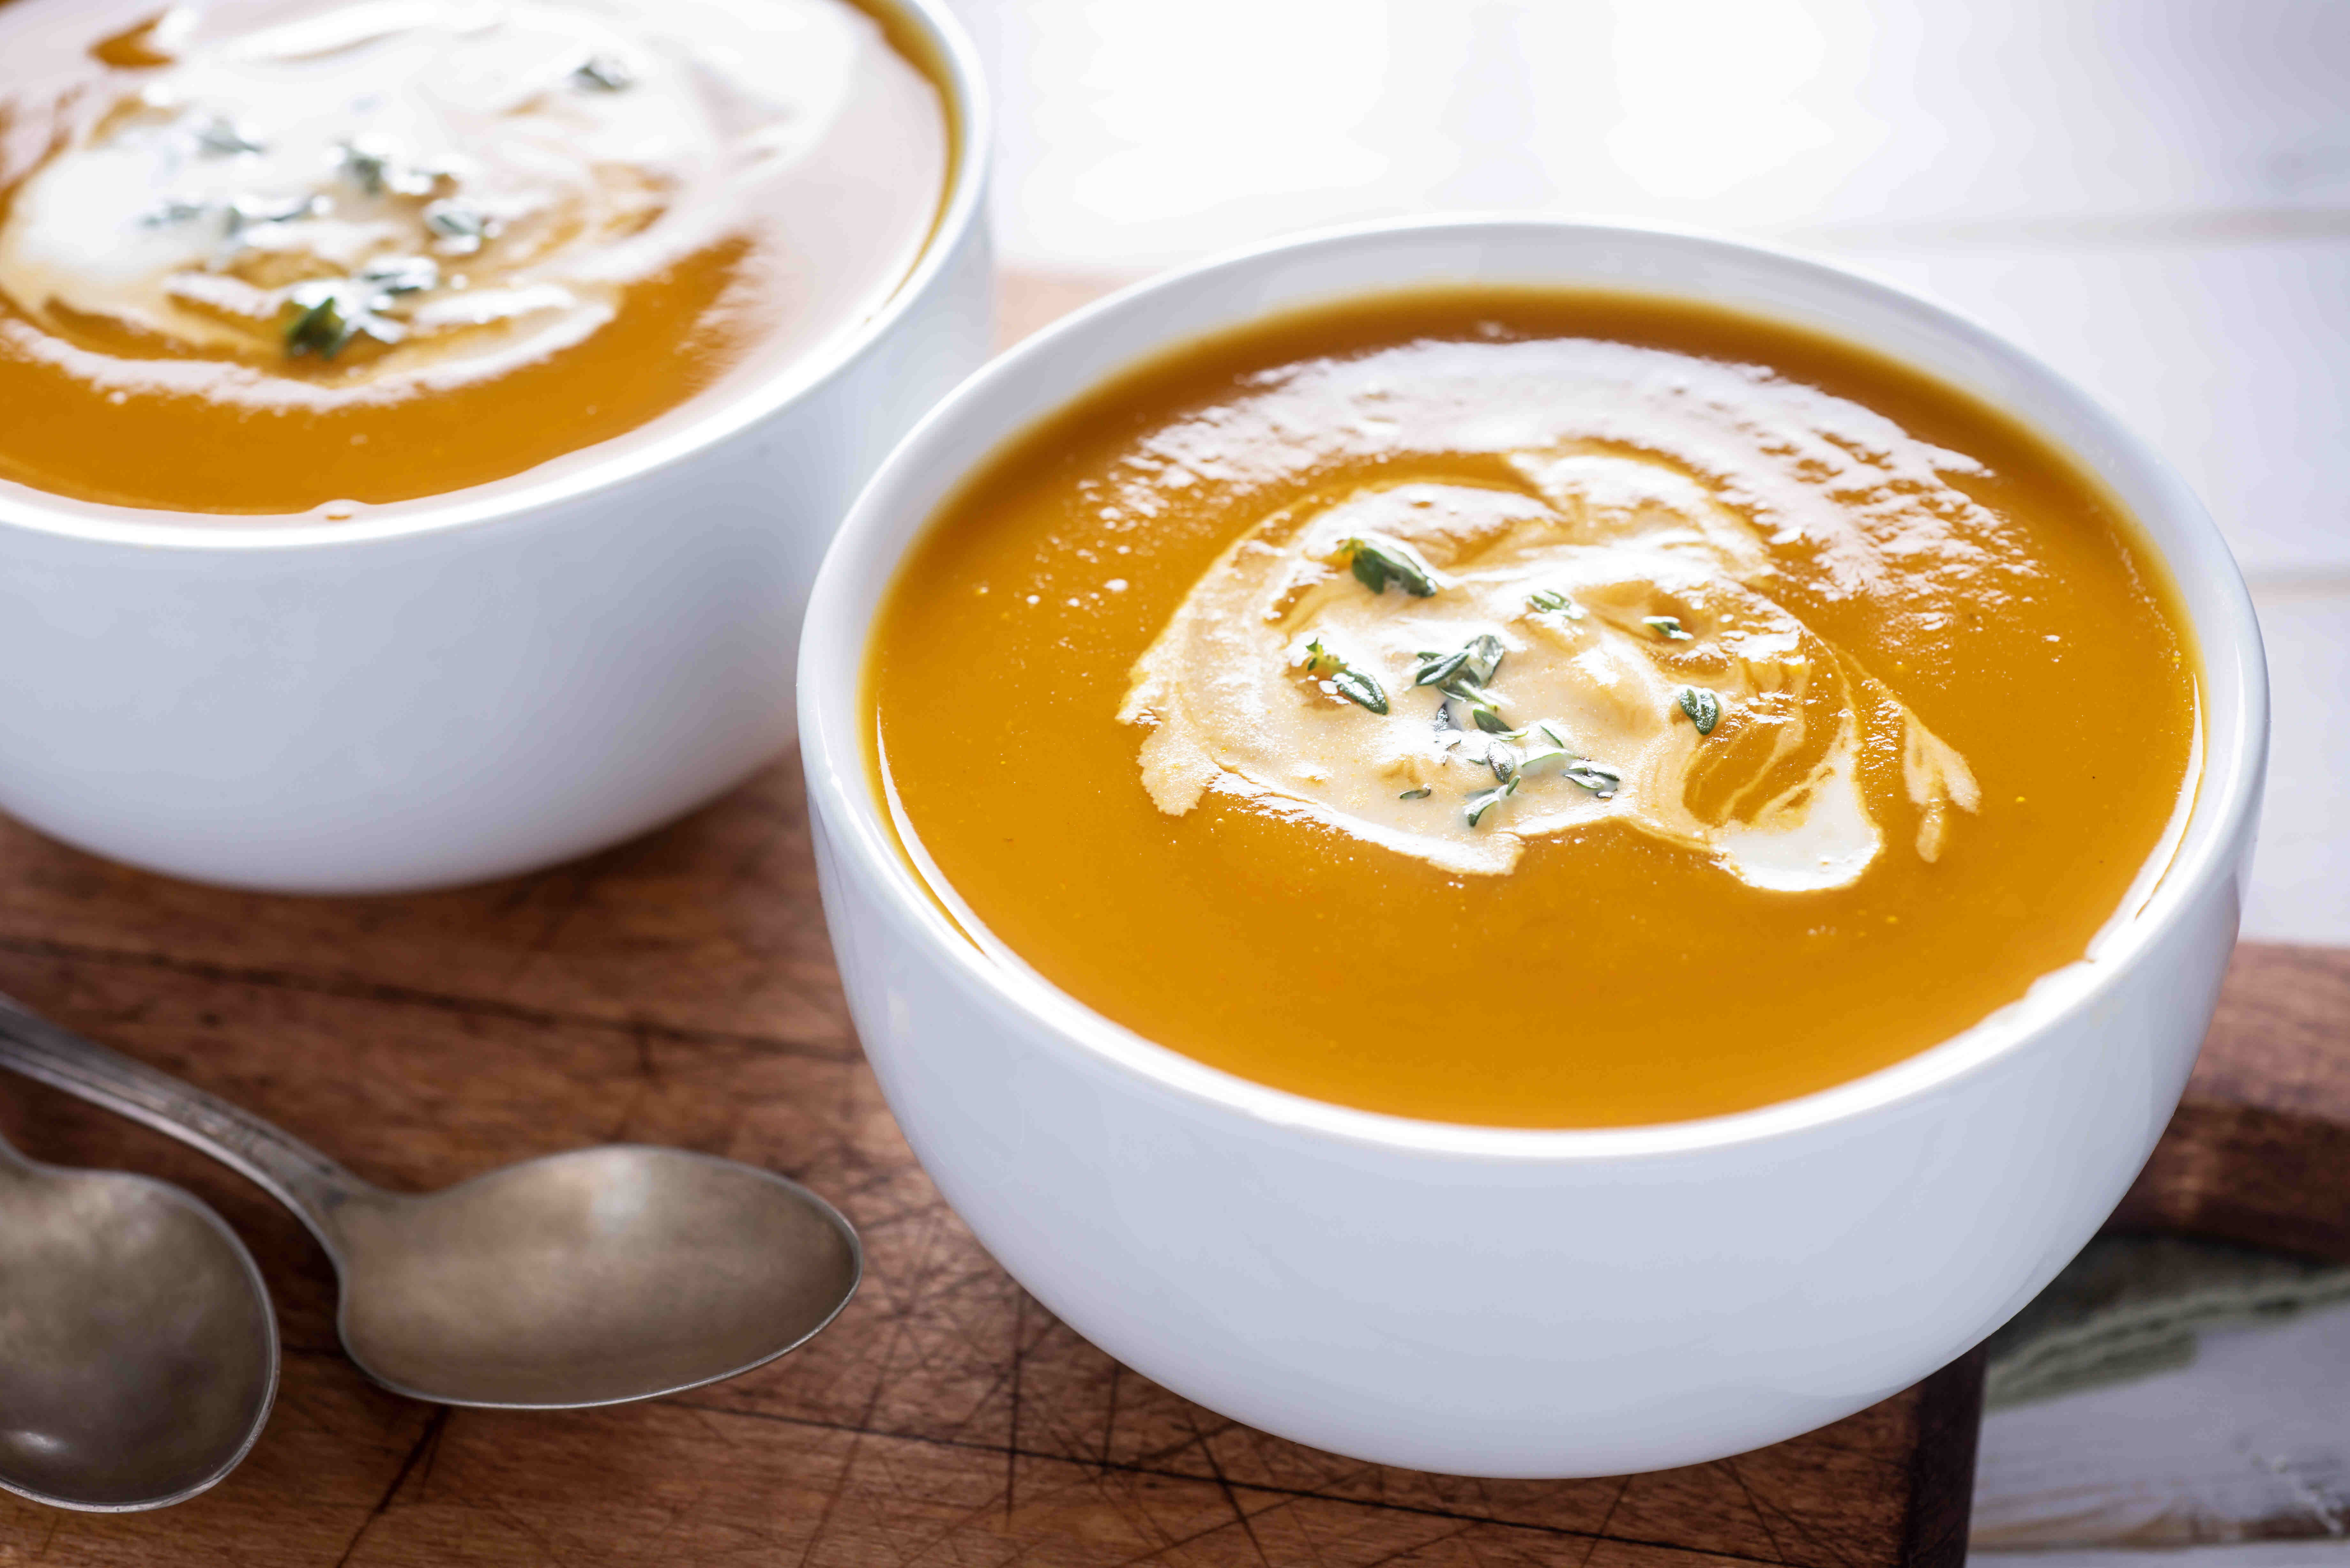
302 258
1533 709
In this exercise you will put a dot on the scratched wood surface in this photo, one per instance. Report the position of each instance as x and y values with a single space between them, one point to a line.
679 990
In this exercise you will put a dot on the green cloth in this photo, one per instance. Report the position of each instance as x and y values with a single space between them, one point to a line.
2131 1305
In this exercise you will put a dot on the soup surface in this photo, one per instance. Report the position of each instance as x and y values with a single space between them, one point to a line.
1533 709
307 257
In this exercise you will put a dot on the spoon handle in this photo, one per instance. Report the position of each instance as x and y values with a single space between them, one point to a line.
291 1171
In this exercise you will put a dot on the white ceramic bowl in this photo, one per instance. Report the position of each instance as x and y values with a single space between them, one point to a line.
484 687
1520 1302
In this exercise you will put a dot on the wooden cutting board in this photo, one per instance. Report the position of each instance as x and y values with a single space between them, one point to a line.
679 990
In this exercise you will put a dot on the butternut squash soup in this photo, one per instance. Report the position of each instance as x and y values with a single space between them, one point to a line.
1533 709
302 258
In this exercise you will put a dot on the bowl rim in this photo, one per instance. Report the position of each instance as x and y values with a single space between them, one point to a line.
971 118
856 575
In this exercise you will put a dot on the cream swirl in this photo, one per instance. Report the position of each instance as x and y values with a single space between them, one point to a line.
444 187
1630 651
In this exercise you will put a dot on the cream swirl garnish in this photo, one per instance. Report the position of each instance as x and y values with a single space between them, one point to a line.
1451 670
441 188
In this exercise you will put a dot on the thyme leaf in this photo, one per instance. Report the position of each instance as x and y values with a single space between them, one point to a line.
461 225
1358 686
366 162
173 210
1600 781
1667 627
1461 676
605 73
1484 651
1703 707
319 327
220 137
251 211
1504 759
1483 711
1379 561
402 274
1557 750
374 164
1422 792
330 313
1484 800
1436 668
1550 601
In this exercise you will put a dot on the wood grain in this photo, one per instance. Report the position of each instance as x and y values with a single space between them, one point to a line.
2259 1152
679 990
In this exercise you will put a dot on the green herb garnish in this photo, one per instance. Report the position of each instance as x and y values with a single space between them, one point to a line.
1551 748
1504 759
1550 601
1703 707
461 225
318 326
1422 792
1379 562
1358 687
173 210
1557 749
402 274
605 73
221 137
1484 711
330 313
1484 801
373 163
1601 781
1435 669
1667 627
366 163
251 211
1463 675
1473 666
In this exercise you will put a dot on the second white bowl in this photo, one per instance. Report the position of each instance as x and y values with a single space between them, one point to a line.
482 687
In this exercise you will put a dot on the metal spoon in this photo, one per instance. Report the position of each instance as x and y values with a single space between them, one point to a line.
587 1278
138 1353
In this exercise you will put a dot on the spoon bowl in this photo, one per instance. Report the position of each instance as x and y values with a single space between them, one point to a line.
588 1278
137 1350
592 1277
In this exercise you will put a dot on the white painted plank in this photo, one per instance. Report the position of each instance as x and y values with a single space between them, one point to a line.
2300 876
2233 360
2251 1441
1139 131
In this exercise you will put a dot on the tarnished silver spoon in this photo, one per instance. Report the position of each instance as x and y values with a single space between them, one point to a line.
588 1278
138 1352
